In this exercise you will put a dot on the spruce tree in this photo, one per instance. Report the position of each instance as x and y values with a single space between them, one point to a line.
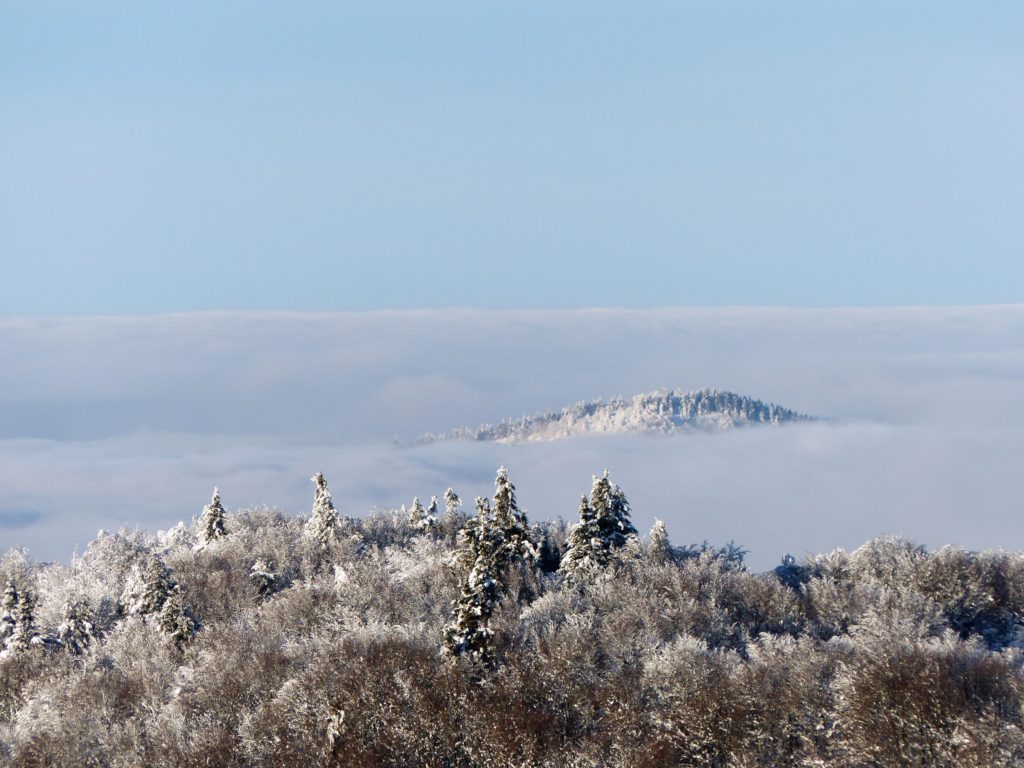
211 522
421 519
549 556
432 519
264 578
611 511
468 632
468 539
147 588
452 502
511 526
659 549
604 529
76 630
24 631
8 612
324 518
581 558
177 620
453 518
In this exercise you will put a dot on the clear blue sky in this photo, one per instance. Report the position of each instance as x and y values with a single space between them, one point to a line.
159 156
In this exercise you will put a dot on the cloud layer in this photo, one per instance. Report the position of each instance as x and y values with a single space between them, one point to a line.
107 421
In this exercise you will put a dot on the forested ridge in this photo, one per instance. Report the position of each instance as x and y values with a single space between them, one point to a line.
464 634
661 412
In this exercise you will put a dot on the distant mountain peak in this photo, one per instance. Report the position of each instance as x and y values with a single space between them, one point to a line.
662 412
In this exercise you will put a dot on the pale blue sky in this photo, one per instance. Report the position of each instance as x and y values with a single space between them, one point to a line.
159 156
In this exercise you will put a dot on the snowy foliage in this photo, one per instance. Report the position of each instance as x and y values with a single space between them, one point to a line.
272 650
662 412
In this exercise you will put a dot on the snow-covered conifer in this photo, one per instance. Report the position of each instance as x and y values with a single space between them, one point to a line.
147 588
76 630
580 558
454 518
468 633
417 514
452 502
659 548
177 619
24 630
8 612
549 556
324 518
469 536
510 524
211 522
421 519
264 578
603 531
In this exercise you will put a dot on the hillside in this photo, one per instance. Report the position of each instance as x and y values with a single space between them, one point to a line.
661 412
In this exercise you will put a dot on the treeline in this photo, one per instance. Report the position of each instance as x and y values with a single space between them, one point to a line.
439 636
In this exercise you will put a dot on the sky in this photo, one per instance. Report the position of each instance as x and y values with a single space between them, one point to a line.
240 243
170 157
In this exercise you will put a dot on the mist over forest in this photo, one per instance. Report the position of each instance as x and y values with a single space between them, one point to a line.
922 434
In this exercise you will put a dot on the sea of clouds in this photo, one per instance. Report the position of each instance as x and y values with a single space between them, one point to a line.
111 421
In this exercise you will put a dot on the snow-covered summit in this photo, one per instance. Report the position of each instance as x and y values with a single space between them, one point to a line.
661 412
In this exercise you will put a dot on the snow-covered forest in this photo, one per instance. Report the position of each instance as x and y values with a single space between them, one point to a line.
662 412
460 633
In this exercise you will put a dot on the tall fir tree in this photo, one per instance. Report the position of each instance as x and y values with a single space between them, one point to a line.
511 527
581 553
468 632
211 522
324 519
604 529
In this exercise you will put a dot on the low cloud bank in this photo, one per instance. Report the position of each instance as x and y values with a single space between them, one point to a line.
108 421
